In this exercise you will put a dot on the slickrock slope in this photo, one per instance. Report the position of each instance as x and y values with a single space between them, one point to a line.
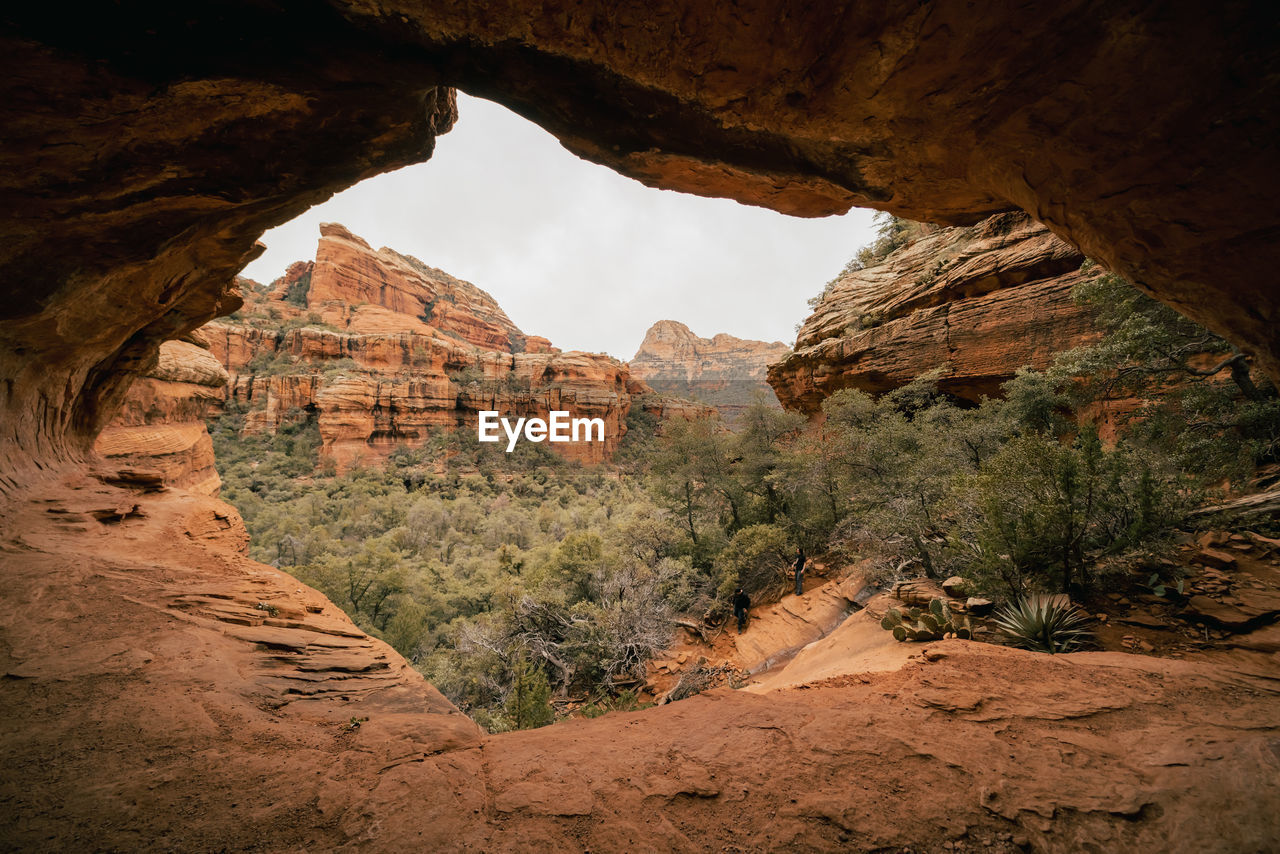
161 425
170 693
724 371
163 691
979 302
381 349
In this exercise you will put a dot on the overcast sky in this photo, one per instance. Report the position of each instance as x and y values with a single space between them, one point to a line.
575 252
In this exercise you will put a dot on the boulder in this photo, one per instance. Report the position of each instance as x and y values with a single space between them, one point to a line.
918 592
1215 558
978 607
1248 607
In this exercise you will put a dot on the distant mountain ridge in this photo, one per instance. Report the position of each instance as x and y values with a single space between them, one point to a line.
723 371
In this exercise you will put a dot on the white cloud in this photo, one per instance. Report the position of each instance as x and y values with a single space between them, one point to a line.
577 253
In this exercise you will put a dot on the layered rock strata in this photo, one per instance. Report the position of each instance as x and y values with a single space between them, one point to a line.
148 146
381 350
725 372
976 303
161 425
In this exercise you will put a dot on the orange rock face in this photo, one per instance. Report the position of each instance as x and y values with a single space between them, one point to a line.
148 663
724 371
348 272
161 423
408 349
977 302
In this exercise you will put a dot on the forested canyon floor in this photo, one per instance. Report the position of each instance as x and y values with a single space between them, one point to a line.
164 691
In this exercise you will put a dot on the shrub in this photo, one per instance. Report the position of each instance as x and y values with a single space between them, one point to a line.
756 559
1041 513
528 703
935 623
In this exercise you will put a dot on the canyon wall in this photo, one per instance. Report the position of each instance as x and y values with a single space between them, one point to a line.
725 372
977 303
381 350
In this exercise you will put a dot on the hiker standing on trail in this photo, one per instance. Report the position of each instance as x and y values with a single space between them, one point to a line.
799 568
741 602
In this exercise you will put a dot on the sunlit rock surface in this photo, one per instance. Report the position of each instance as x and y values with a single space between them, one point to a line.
161 425
976 303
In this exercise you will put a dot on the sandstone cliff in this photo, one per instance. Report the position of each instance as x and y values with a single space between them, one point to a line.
146 155
978 302
724 371
382 349
161 425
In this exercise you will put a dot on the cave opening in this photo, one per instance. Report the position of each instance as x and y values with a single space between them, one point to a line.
159 660
573 251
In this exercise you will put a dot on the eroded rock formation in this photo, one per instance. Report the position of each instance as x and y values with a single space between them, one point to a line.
146 149
381 350
724 371
164 691
977 303
161 425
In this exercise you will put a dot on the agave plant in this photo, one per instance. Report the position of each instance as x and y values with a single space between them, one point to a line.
1044 623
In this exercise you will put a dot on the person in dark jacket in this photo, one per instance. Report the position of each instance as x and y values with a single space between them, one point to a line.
741 602
799 570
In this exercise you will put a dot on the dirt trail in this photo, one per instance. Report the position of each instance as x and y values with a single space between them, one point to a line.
147 702
776 633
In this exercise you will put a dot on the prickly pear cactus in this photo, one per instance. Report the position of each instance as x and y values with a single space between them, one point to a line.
936 623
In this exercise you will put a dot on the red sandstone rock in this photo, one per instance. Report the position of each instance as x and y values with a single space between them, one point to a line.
144 156
142 681
161 423
724 371
432 354
348 272
977 302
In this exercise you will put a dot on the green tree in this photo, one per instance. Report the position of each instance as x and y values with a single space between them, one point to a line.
760 445
690 473
755 559
1204 405
528 702
1041 513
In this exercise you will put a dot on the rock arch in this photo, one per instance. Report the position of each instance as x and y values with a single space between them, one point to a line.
148 145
